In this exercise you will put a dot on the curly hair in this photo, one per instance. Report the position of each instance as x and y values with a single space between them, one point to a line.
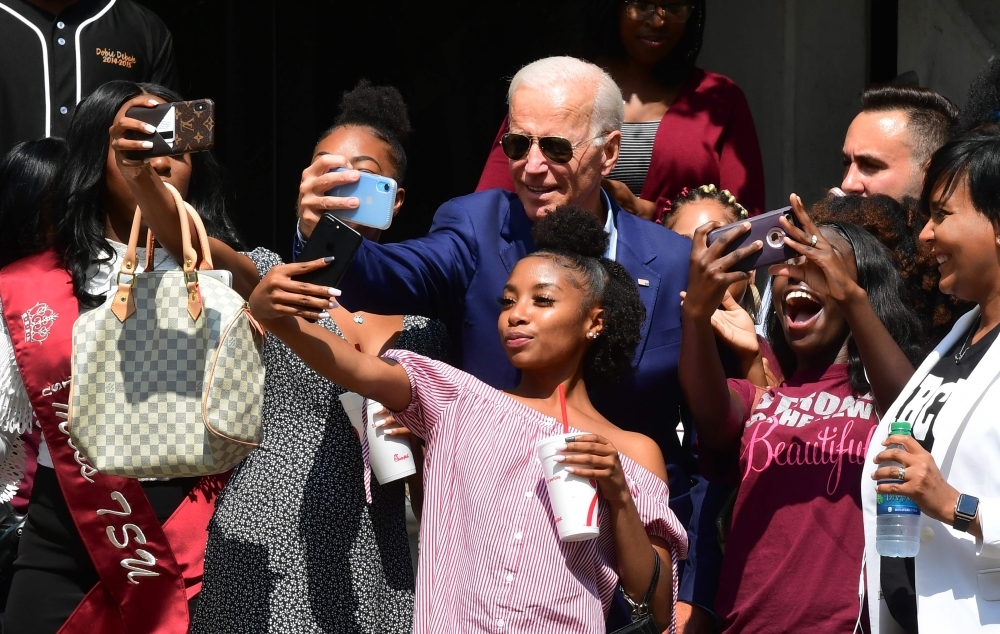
575 240
878 276
382 110
603 39
896 225
983 106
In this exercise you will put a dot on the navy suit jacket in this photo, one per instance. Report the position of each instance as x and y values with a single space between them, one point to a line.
456 274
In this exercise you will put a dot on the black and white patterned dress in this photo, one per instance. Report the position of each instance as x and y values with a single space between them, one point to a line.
294 546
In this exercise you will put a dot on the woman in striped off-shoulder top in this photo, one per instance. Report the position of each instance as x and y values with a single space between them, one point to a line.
490 556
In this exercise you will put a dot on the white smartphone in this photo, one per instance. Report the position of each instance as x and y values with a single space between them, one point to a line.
226 277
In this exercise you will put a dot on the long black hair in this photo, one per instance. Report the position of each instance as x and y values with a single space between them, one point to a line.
575 239
878 276
27 175
78 217
603 39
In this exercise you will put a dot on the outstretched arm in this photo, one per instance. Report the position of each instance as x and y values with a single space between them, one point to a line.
283 306
158 208
717 411
886 365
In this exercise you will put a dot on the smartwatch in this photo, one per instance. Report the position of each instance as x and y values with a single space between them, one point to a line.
965 511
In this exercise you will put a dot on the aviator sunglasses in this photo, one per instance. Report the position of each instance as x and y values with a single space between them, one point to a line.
555 148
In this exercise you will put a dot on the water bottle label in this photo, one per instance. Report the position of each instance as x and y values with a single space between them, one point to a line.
894 503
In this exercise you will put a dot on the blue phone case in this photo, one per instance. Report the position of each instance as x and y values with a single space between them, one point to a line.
377 195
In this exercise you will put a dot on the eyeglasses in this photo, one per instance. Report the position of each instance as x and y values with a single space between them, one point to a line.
677 12
555 148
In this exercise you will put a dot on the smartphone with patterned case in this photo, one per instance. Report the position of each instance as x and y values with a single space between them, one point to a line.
181 127
376 195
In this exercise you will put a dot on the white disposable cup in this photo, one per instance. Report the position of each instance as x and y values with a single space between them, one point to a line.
354 405
390 457
573 499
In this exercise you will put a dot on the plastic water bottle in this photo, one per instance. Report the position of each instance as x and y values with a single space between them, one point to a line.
897 531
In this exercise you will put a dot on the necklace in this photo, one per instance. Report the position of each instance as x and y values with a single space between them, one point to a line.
358 319
965 346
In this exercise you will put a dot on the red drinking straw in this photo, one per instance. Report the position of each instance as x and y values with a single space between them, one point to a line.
562 403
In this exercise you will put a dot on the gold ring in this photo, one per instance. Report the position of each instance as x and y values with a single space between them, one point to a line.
900 473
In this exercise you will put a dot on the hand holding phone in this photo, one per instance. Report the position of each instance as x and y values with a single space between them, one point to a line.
178 128
377 196
330 238
766 228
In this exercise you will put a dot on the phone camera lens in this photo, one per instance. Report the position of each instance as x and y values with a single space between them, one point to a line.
383 187
776 238
200 106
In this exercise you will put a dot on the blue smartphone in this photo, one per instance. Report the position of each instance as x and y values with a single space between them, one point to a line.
377 197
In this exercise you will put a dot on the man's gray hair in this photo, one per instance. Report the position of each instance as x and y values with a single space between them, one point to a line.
557 73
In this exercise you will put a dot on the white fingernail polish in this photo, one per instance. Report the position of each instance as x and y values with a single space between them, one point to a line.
149 128
335 291
147 145
324 315
334 304
559 458
154 102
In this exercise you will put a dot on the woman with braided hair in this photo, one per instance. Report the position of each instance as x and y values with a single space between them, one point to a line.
491 559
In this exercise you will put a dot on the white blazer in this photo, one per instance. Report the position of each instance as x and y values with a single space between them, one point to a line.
958 577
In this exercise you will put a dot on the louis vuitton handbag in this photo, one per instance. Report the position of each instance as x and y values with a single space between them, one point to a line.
167 375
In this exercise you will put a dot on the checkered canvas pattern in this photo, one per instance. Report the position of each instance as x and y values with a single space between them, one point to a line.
140 407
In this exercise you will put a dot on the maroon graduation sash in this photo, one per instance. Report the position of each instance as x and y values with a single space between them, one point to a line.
147 571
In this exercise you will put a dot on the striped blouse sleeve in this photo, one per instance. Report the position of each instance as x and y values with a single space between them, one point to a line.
433 387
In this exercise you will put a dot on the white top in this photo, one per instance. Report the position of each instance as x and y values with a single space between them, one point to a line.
16 416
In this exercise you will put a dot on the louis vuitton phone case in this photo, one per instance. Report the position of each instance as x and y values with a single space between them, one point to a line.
181 127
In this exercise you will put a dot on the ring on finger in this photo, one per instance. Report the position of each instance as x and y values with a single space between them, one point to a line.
900 473
814 240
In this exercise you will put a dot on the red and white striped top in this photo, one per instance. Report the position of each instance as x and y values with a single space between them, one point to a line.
490 557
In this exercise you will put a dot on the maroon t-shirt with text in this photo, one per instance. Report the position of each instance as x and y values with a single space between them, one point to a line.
793 556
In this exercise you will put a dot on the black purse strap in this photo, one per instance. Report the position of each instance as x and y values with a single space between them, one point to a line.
640 610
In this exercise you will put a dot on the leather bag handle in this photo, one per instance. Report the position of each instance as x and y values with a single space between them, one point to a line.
123 305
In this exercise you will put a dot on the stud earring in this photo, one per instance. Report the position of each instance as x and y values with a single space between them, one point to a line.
592 335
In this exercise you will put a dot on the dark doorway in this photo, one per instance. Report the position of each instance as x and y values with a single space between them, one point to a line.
276 71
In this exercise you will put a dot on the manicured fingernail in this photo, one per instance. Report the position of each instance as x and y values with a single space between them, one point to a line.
324 315
333 305
570 470
559 458
328 259
560 447
571 438
147 144
149 128
334 291
153 102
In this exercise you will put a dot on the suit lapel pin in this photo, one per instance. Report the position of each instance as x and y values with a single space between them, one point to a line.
643 282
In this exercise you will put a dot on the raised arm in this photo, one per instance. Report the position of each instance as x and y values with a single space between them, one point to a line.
283 306
886 365
158 208
717 411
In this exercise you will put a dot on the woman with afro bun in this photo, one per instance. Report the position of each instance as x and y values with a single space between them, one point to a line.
491 558
304 539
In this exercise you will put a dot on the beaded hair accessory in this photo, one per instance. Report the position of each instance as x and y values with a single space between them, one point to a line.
710 191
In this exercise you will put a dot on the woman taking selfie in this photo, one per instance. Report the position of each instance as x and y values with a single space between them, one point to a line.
684 126
491 557
60 570
794 551
335 537
951 401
